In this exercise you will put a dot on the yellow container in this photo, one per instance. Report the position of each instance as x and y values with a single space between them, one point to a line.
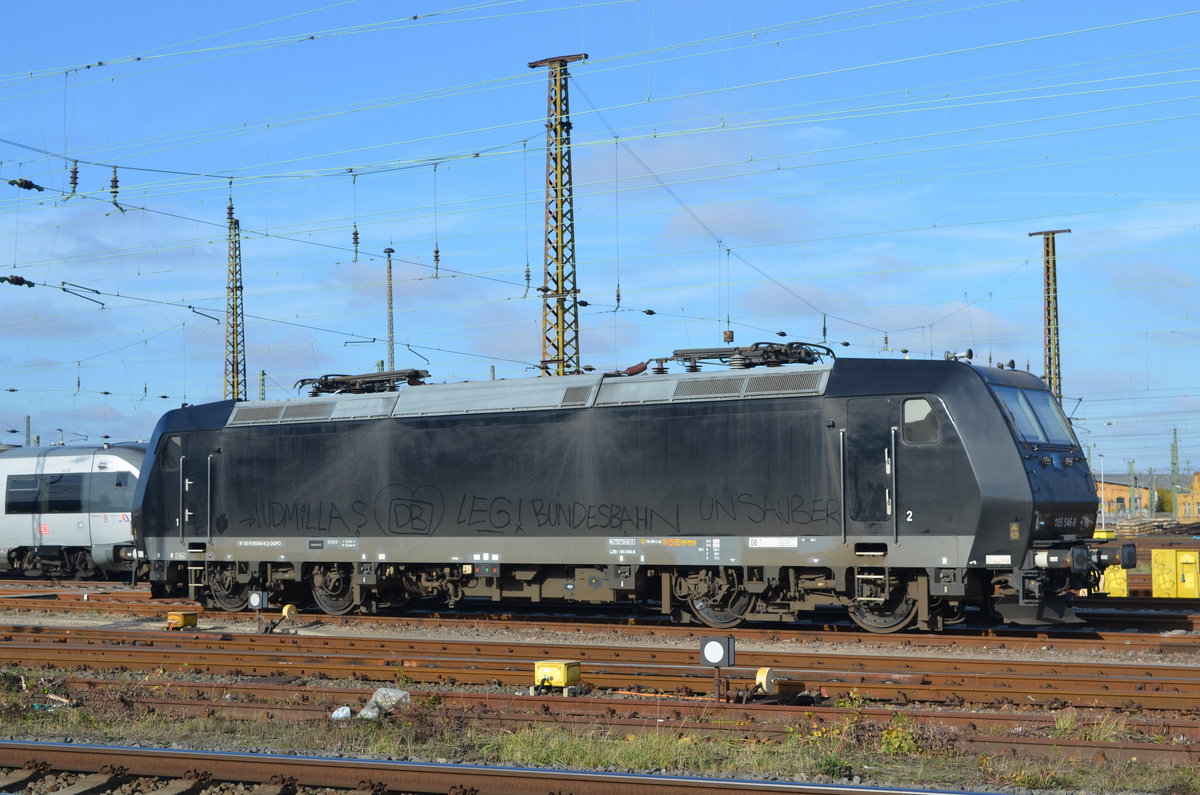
556 673
1115 581
1175 573
179 620
1162 573
1186 565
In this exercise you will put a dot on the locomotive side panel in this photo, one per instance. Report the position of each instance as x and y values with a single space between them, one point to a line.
651 471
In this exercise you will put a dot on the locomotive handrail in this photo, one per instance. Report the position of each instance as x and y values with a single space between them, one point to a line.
894 507
208 496
842 495
182 505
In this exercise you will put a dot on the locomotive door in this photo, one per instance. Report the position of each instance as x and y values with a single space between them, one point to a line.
930 467
869 467
195 485
188 470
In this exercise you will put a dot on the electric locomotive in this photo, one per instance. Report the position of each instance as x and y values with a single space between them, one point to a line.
787 479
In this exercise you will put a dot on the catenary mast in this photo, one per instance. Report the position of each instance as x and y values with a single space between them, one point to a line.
560 297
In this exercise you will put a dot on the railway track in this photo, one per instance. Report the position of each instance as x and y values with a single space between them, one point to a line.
1178 616
1139 609
1157 703
818 677
112 766
1036 734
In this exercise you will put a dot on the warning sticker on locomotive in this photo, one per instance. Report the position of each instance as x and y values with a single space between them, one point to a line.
630 546
773 542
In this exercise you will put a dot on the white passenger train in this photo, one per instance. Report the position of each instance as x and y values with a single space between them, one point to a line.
67 510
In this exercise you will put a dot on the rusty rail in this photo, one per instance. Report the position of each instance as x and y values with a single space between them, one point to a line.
916 678
374 775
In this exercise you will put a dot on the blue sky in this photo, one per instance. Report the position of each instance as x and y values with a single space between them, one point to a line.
860 173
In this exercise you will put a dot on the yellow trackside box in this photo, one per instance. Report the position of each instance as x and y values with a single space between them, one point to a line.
179 620
1115 581
1175 573
1187 564
556 673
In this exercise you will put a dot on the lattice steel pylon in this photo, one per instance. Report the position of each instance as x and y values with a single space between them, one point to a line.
235 339
1053 365
560 297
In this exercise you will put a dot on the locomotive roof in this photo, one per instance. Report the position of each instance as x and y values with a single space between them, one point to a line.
567 392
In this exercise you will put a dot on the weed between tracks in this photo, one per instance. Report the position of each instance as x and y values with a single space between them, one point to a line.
33 704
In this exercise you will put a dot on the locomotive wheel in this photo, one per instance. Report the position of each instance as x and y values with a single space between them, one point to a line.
729 612
897 613
333 589
226 591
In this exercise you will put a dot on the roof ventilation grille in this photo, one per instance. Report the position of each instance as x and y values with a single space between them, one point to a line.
248 415
576 396
309 411
710 387
808 381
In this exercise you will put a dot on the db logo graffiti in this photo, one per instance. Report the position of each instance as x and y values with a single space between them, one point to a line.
402 510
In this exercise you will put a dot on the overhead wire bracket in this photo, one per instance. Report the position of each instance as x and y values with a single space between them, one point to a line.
65 285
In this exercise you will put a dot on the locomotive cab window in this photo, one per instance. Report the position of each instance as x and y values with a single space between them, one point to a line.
920 423
170 452
1055 425
1036 416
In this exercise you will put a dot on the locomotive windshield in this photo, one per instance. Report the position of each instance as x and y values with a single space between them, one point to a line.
1036 416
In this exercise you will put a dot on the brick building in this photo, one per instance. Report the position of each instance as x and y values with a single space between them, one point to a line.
1120 501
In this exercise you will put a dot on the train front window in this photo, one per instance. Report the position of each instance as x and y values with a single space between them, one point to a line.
1035 416
1021 413
1055 425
